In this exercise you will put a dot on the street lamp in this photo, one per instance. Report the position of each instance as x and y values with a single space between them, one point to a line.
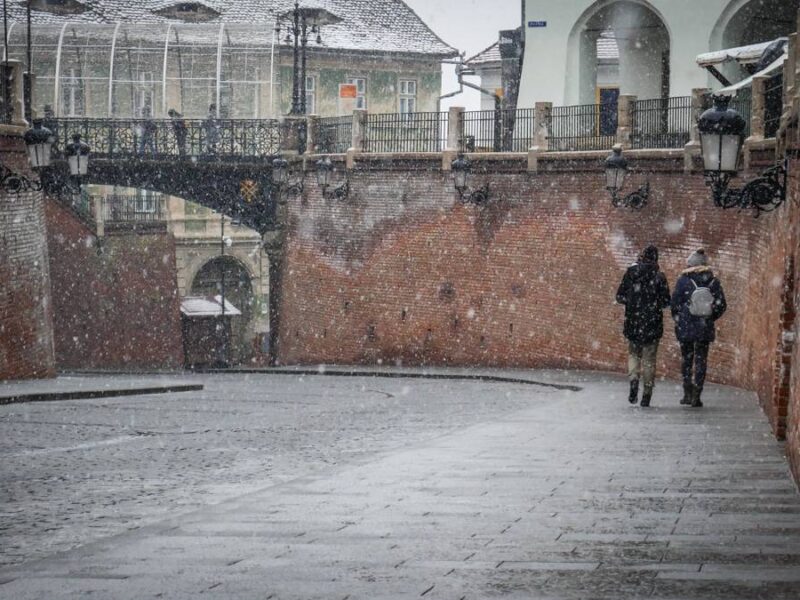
77 153
302 21
325 170
462 168
616 167
39 143
281 182
721 139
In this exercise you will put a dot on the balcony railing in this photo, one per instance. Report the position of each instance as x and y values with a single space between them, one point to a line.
335 134
126 209
410 132
656 123
662 122
583 127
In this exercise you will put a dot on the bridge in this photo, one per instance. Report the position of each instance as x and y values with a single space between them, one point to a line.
223 164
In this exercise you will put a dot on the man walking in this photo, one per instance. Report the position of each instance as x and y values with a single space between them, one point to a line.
645 294
697 303
179 129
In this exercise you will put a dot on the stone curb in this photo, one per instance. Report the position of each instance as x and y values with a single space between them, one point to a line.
91 394
392 375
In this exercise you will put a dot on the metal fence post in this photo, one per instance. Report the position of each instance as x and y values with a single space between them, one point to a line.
625 119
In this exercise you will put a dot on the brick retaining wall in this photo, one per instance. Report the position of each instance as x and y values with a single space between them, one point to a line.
26 340
118 309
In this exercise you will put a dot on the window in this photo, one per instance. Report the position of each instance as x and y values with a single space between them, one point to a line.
145 95
408 96
146 201
72 95
311 95
361 91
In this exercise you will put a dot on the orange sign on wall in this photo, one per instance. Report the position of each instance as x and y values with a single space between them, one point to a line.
348 90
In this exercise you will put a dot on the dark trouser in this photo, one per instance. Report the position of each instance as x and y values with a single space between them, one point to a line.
694 354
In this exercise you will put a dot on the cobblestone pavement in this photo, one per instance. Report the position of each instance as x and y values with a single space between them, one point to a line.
289 487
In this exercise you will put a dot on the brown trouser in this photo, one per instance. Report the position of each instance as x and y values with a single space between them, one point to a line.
642 362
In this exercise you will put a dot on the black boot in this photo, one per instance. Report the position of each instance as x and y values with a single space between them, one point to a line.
696 391
646 395
688 390
633 396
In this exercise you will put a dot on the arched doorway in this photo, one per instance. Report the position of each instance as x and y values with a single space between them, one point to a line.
238 291
618 47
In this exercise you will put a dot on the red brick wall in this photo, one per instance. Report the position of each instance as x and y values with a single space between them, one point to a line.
118 309
26 340
792 398
400 274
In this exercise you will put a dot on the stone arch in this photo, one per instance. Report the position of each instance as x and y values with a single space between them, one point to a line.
640 55
239 291
778 16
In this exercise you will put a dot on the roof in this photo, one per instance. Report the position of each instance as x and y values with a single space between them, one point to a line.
773 67
198 306
742 54
486 57
367 25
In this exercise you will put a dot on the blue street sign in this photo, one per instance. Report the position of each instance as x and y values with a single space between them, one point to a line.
537 23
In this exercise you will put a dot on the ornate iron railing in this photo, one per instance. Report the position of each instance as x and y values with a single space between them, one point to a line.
583 127
335 135
411 132
662 122
183 139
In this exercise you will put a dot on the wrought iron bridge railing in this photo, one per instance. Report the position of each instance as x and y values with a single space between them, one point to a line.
412 132
183 139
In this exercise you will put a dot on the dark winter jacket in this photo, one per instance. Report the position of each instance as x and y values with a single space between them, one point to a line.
688 327
645 294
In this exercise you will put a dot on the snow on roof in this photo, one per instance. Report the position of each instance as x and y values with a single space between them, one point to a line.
198 306
486 56
742 54
367 25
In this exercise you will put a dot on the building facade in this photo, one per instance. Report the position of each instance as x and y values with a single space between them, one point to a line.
569 45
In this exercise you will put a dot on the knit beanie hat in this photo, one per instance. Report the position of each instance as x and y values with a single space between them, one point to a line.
697 258
650 254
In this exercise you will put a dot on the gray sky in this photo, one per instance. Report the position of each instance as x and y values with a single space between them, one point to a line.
470 26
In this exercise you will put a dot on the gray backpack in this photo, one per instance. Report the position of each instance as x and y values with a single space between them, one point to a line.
701 303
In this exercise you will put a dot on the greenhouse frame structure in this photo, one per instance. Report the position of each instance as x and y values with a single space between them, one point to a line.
133 70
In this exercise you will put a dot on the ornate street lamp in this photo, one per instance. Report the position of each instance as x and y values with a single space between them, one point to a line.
39 142
324 172
281 182
616 167
301 21
462 168
721 138
77 153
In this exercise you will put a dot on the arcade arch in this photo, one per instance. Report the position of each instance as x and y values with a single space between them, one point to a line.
621 45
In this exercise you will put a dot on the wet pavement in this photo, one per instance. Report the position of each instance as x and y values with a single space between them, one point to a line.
297 486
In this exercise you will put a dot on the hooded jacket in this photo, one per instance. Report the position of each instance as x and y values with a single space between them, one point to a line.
645 294
688 327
